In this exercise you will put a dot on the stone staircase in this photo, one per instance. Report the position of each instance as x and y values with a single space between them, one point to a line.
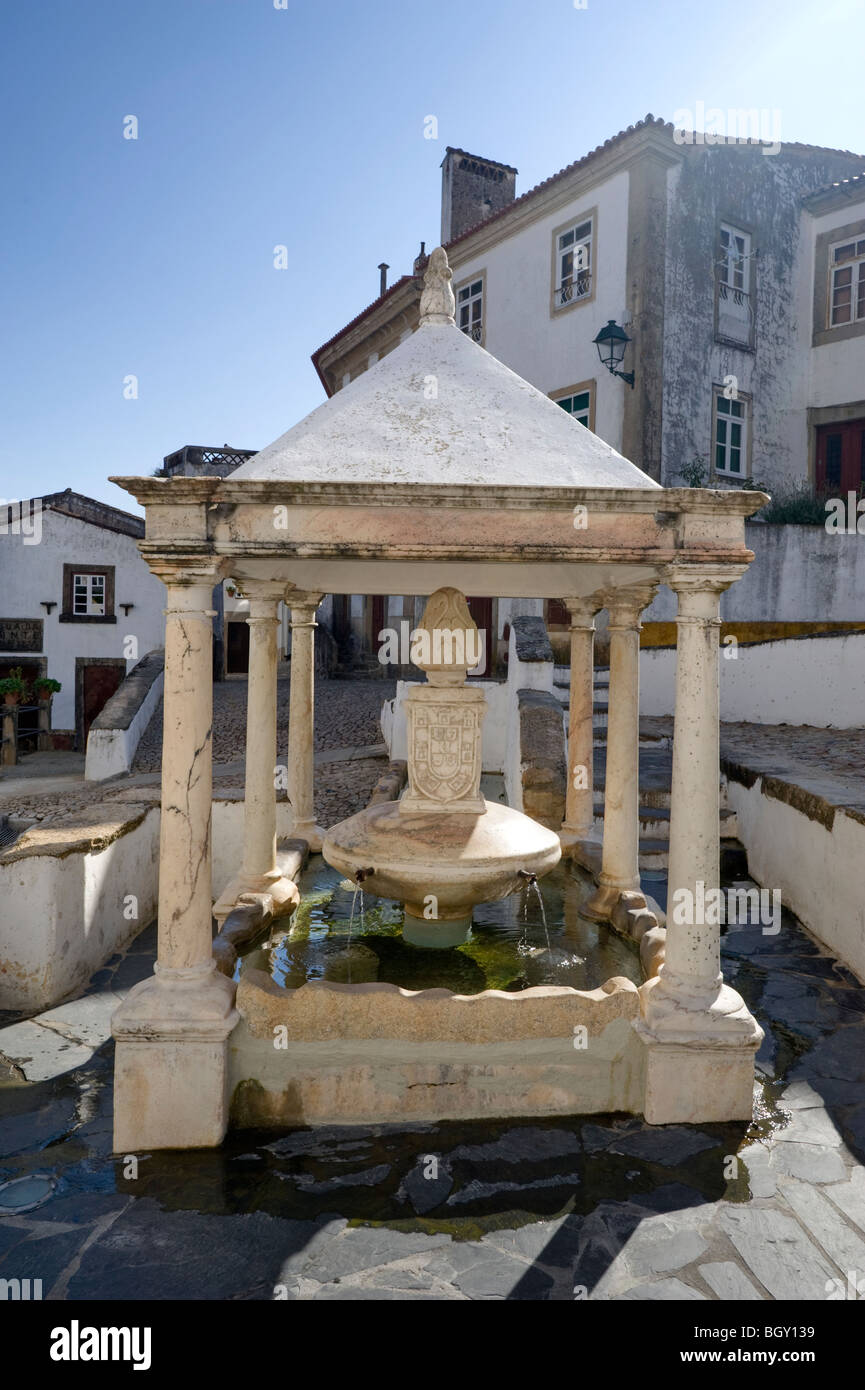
656 766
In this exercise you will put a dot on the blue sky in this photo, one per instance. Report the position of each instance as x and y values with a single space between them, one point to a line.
304 127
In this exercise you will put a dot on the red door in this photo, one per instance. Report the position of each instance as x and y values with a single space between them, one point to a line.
100 683
481 610
841 458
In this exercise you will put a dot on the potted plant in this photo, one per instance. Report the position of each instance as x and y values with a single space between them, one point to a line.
13 687
45 687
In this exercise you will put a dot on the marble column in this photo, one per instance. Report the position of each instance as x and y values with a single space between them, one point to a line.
171 1076
259 872
700 1036
579 804
301 716
620 864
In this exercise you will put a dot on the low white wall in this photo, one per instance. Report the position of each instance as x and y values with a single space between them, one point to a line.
811 865
804 680
65 914
111 752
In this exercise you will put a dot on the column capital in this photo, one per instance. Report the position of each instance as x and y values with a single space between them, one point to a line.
625 605
583 611
270 590
303 603
187 571
703 579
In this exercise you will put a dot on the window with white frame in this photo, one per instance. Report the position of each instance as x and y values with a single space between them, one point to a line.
734 284
847 266
470 309
579 405
88 595
730 435
573 264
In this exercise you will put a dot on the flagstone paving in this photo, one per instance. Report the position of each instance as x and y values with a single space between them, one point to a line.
604 1207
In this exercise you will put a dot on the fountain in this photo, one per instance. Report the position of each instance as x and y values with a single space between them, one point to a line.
442 848
435 470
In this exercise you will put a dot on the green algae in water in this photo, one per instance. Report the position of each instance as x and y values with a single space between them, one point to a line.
506 949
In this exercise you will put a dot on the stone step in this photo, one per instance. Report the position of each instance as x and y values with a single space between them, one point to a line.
647 740
655 822
654 853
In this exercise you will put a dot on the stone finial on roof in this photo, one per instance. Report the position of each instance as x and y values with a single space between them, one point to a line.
437 304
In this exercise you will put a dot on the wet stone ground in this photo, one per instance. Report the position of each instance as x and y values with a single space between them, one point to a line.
604 1207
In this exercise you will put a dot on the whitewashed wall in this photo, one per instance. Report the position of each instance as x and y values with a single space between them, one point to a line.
799 574
819 681
810 864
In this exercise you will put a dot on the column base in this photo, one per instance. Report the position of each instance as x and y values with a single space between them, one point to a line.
171 1061
570 839
283 891
309 831
699 1053
599 907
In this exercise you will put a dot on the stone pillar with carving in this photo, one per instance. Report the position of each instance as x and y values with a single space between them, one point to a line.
699 1034
444 719
171 1058
301 717
620 866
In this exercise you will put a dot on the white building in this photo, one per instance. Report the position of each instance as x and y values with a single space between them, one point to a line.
710 252
834 290
77 602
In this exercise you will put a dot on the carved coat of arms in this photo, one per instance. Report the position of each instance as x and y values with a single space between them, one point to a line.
445 752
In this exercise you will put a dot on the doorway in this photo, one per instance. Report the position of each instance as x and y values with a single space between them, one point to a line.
840 463
237 648
96 679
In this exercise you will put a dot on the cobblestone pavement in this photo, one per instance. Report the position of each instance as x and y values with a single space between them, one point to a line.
604 1207
347 715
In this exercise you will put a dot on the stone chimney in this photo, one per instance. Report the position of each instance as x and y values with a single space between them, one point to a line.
472 190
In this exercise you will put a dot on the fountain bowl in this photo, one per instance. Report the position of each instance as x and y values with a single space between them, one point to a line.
441 866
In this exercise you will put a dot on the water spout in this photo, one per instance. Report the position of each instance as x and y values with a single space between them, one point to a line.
363 874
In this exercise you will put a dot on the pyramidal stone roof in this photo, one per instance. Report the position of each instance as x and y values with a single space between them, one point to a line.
441 410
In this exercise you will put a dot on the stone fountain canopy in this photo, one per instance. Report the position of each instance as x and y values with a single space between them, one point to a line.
437 469
442 463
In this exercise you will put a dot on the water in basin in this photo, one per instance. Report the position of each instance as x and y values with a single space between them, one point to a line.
506 949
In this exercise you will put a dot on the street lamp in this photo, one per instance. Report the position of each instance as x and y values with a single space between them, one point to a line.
611 343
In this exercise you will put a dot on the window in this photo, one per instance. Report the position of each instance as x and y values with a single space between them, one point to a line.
730 435
733 304
470 309
572 263
839 284
579 406
579 401
847 264
88 594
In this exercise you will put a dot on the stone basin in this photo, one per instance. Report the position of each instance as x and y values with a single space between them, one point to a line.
458 860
